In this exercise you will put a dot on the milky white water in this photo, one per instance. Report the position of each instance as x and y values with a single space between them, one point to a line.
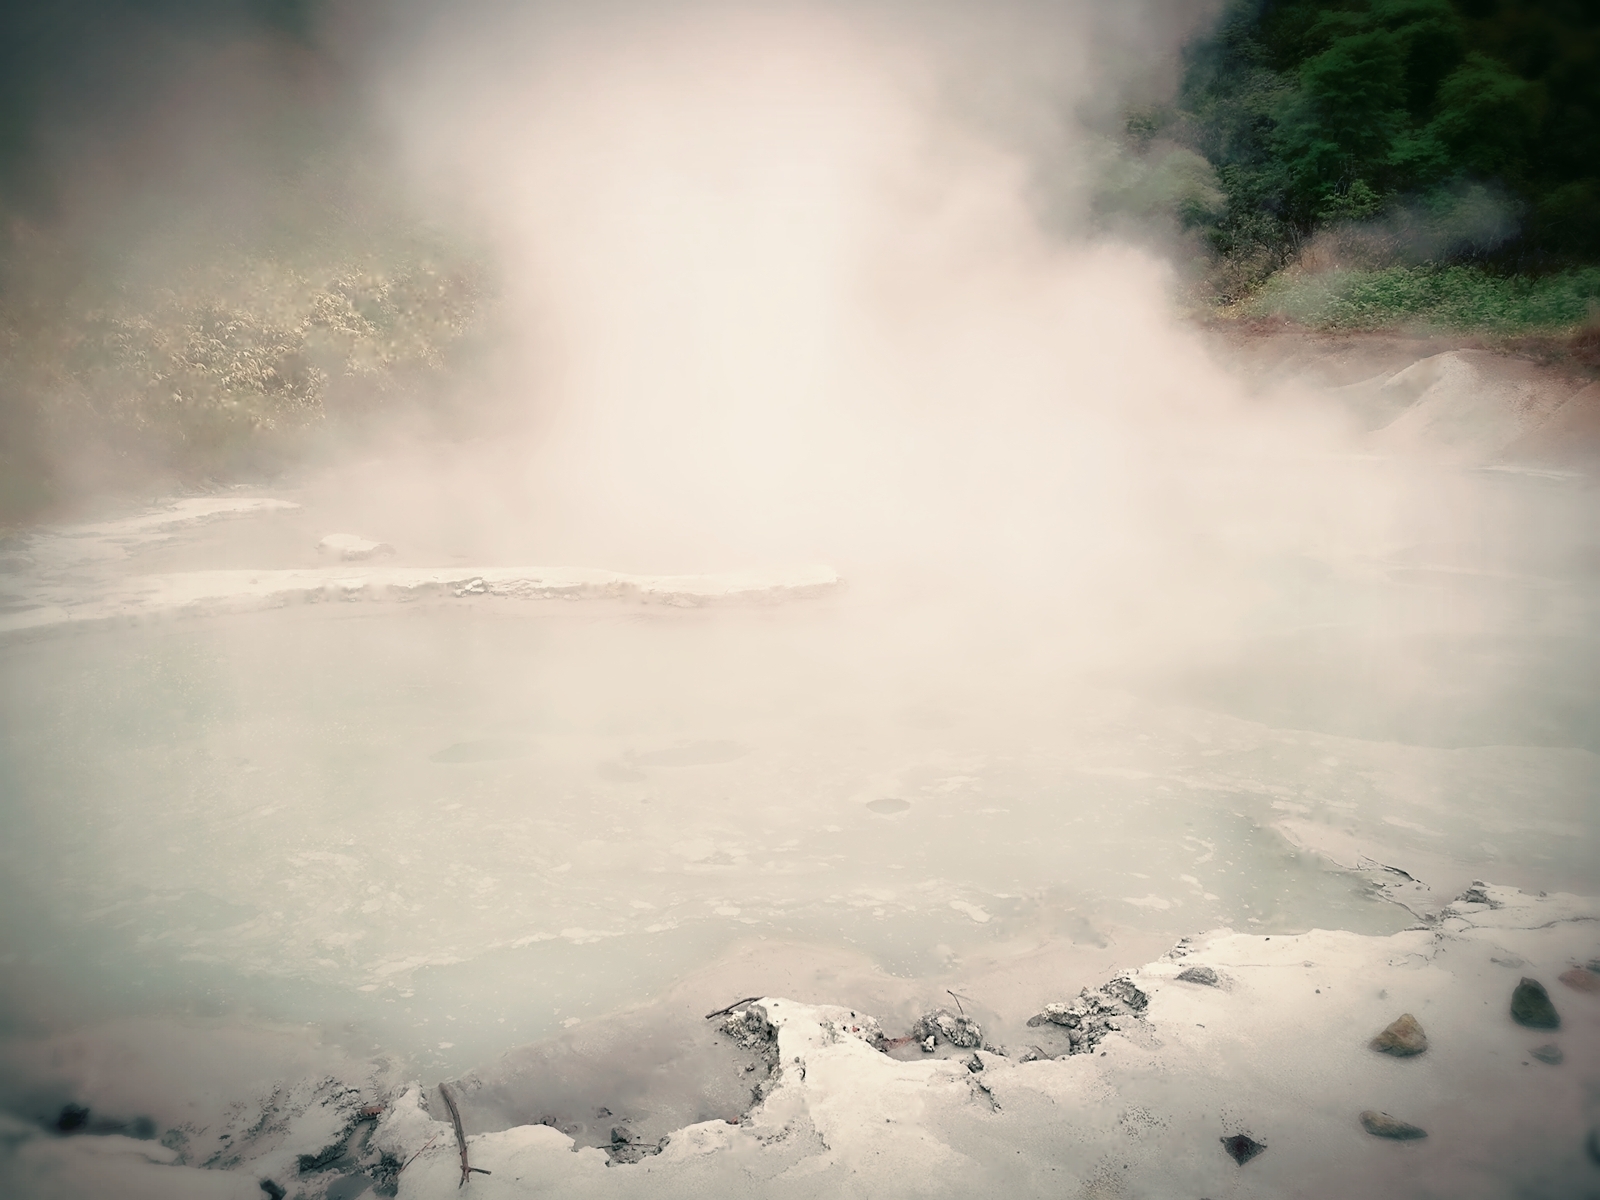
449 826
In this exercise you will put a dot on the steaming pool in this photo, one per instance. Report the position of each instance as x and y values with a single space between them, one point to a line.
450 826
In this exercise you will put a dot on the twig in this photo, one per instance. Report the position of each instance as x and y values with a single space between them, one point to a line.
461 1137
722 1012
419 1153
957 999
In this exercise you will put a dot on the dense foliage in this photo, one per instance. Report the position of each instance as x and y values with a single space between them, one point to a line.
1455 130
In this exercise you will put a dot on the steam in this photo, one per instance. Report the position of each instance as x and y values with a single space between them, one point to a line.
782 292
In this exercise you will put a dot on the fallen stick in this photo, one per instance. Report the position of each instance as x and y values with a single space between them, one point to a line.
461 1137
722 1012
418 1154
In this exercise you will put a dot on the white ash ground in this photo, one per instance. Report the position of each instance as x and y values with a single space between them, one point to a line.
1277 1048
73 575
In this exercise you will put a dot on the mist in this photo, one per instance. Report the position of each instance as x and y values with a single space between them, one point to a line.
746 513
787 285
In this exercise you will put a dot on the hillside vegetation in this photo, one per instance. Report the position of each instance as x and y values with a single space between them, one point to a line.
1438 160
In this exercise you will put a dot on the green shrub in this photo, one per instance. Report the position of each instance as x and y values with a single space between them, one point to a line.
1458 298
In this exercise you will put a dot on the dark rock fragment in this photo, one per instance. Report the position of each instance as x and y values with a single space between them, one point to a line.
73 1118
324 1158
1530 1006
1203 975
273 1190
1381 1124
1402 1038
348 1187
1241 1147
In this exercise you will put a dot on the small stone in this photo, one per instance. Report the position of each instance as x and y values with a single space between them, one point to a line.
1241 1147
621 1135
1203 975
928 1043
1548 1053
1402 1038
1530 1006
1581 979
1381 1124
73 1118
274 1191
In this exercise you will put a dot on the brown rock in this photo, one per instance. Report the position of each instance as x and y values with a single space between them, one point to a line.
1581 979
1403 1037
1381 1124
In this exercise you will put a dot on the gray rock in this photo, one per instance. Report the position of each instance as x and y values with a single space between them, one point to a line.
1203 975
1126 992
945 1026
1381 1124
1530 1006
1548 1053
1095 1013
1402 1038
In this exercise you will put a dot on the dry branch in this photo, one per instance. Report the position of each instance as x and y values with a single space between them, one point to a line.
722 1012
461 1137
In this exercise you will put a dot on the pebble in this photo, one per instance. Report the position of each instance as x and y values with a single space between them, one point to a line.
1381 1124
1203 975
1402 1038
1241 1147
1530 1006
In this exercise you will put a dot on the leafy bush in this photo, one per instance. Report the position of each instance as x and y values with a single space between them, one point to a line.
1315 113
1454 297
218 363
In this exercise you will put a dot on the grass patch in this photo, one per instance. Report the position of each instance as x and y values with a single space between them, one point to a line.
1451 298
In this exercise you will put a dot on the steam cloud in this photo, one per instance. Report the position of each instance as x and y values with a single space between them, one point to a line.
787 285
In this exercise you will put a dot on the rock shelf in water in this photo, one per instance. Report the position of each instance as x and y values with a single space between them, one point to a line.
837 1117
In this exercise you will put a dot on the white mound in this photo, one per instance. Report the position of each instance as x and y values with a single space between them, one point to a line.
1465 406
